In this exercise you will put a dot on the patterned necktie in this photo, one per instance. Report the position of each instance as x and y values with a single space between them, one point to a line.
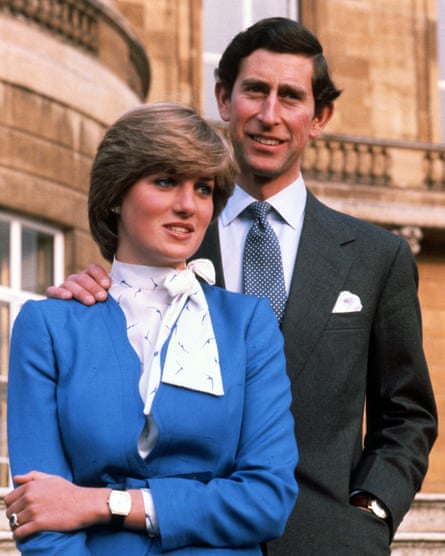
262 266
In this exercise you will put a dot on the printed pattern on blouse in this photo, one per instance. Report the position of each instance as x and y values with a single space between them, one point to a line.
164 304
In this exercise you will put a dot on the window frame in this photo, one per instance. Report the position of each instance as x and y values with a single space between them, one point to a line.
13 296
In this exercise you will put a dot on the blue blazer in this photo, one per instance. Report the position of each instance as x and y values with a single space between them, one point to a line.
222 471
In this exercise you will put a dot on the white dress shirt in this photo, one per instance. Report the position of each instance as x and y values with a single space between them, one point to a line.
287 222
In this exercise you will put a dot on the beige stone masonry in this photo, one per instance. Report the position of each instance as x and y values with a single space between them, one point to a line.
36 61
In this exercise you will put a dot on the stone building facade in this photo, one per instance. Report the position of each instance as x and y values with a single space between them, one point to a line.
69 68
383 158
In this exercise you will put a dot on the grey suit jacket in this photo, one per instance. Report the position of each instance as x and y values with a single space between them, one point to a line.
346 365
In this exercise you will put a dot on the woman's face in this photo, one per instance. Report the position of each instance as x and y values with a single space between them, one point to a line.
163 219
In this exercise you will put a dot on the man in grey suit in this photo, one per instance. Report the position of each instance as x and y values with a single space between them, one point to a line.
365 417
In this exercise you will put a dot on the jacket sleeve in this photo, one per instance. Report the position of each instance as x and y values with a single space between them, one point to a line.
252 503
34 440
401 413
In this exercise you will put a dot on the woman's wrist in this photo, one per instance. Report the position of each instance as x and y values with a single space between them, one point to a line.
136 517
94 506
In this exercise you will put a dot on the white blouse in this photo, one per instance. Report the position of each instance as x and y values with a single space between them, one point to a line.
161 303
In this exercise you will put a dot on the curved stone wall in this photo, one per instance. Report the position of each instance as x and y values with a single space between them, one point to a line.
57 95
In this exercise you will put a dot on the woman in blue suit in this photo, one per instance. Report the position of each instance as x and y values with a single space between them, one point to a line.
158 421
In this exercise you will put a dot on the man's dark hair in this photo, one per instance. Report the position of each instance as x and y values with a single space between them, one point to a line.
285 36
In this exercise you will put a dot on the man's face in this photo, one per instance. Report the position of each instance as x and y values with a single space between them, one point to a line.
271 118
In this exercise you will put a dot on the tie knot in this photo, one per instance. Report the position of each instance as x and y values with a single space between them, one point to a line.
258 211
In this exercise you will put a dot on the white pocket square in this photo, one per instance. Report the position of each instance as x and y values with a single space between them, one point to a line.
347 302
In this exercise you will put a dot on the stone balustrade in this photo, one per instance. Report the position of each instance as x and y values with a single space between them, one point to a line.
76 20
370 161
399 185
89 25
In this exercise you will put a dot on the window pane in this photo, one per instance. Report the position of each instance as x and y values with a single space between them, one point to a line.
4 463
210 107
4 355
220 25
269 8
37 260
4 339
27 266
5 278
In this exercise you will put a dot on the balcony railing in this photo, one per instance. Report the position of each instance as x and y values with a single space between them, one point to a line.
356 160
79 22
75 20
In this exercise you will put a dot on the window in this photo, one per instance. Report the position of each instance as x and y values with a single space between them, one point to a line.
31 258
220 25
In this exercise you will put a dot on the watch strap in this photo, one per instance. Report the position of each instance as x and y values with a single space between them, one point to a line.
117 521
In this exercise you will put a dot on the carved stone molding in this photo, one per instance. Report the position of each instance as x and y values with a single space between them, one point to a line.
92 26
412 234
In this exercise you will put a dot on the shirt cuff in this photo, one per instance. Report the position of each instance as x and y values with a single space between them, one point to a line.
151 518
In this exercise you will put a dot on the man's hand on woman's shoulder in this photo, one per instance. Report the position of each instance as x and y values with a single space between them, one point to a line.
88 286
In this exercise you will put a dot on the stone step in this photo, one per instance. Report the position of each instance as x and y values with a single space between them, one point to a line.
7 545
419 545
427 514
422 531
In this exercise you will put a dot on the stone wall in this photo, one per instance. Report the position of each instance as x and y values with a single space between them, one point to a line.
171 32
56 99
384 57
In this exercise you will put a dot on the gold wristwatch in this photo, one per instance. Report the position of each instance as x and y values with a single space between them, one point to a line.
368 502
119 504
376 508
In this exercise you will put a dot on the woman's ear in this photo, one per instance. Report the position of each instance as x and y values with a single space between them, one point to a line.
321 121
223 101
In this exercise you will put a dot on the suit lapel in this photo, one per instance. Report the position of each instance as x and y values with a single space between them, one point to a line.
320 270
322 264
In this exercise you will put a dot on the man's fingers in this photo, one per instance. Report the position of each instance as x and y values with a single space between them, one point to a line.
99 274
85 290
58 292
87 287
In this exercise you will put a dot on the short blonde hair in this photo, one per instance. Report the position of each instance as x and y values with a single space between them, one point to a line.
152 138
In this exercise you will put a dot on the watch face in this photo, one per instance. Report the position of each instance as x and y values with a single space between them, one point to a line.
378 509
119 502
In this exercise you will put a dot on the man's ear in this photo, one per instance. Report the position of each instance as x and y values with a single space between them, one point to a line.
321 121
223 101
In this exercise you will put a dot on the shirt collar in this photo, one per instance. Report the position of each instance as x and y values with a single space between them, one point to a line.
289 203
138 276
153 277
